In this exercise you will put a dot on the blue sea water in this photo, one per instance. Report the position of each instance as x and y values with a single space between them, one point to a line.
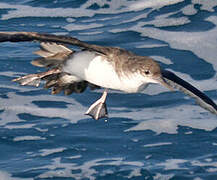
155 135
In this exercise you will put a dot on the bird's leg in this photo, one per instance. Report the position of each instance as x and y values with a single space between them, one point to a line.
98 109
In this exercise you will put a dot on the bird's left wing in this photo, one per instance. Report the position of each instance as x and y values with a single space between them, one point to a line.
43 37
178 83
53 55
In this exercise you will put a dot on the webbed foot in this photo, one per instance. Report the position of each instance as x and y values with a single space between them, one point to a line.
98 109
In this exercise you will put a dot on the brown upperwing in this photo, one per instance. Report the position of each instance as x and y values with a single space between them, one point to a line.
43 37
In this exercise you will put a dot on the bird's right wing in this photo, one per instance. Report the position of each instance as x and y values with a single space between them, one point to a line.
178 83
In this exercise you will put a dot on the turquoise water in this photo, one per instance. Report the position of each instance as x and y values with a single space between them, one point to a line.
155 135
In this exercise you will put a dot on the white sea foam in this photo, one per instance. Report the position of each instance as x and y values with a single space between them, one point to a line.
24 126
212 170
191 41
13 107
46 152
139 5
90 33
86 170
151 45
6 176
189 10
206 4
70 20
198 178
210 164
165 20
158 144
80 27
170 164
162 59
135 173
115 7
148 156
170 119
18 11
75 157
28 138
41 130
160 176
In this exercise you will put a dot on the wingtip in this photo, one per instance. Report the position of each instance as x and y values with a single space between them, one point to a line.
201 98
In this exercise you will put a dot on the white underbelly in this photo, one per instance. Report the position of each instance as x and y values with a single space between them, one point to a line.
95 69
102 73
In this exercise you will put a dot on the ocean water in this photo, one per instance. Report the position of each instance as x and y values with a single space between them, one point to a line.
155 135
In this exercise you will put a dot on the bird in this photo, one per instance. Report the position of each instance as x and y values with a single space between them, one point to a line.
94 66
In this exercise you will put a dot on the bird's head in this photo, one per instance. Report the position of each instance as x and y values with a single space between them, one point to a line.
151 71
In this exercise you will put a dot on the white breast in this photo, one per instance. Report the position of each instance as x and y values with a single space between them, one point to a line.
95 69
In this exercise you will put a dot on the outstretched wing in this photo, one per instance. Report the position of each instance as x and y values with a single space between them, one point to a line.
178 83
43 37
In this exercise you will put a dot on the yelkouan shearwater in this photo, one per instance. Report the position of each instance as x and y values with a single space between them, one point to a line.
97 67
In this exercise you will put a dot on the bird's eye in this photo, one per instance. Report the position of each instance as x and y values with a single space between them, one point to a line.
147 72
